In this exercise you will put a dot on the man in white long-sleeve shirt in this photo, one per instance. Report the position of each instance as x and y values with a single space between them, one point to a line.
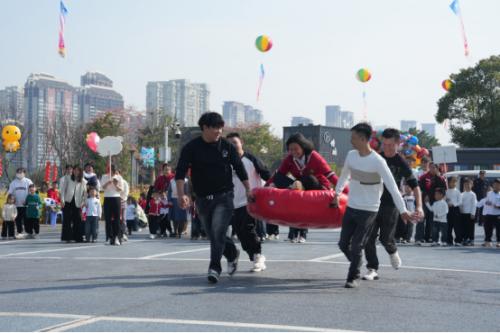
366 170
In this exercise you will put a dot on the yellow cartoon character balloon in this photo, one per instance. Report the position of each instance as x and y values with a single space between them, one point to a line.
11 135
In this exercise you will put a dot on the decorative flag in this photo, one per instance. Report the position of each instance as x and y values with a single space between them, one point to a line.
47 172
455 7
54 172
261 79
62 20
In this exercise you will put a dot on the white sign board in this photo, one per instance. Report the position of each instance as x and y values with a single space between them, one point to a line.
110 145
444 154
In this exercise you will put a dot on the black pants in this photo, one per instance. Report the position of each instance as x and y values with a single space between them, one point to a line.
356 229
385 226
20 219
72 223
468 225
164 222
296 232
429 220
32 224
454 225
179 227
197 228
215 214
153 224
131 226
491 222
8 229
112 213
272 229
245 227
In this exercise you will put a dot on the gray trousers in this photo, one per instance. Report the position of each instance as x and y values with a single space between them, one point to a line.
356 228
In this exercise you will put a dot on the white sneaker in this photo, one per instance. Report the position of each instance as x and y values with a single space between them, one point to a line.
302 240
139 230
152 236
371 275
276 237
395 260
125 237
294 240
271 237
117 241
259 263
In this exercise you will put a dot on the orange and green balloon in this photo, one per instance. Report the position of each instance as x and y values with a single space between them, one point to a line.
447 84
263 43
363 75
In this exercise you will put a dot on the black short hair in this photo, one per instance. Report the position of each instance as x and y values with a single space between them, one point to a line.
467 180
440 191
301 140
88 164
363 129
21 169
68 166
233 135
391 133
211 119
310 182
164 165
31 186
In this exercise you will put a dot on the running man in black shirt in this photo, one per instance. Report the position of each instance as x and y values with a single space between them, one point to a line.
387 217
210 158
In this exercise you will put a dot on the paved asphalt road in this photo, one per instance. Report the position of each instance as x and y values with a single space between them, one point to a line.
160 285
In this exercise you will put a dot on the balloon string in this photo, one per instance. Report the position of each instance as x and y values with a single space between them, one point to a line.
365 107
261 80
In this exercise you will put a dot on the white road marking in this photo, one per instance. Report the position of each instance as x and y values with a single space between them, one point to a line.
171 253
81 320
61 249
332 256
267 260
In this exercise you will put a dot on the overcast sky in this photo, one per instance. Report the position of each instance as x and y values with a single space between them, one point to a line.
409 47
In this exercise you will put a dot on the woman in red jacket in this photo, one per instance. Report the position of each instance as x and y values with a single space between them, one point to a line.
302 160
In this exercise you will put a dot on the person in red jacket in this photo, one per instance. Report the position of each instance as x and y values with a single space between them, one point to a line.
303 160
163 181
143 201
154 214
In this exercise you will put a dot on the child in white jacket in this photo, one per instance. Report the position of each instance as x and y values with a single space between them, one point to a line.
439 225
93 213
9 214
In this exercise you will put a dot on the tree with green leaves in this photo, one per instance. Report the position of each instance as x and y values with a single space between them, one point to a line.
472 105
107 125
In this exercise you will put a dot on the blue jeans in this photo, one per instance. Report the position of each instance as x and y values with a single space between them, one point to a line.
437 228
215 213
91 227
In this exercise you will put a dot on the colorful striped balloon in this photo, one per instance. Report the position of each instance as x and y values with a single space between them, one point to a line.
363 75
263 43
447 84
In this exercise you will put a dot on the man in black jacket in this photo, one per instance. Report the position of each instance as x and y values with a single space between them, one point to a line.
210 158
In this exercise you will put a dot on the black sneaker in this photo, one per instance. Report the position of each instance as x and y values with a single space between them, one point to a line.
232 266
213 276
351 284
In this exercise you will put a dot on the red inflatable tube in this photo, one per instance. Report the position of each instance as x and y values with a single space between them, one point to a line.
299 209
